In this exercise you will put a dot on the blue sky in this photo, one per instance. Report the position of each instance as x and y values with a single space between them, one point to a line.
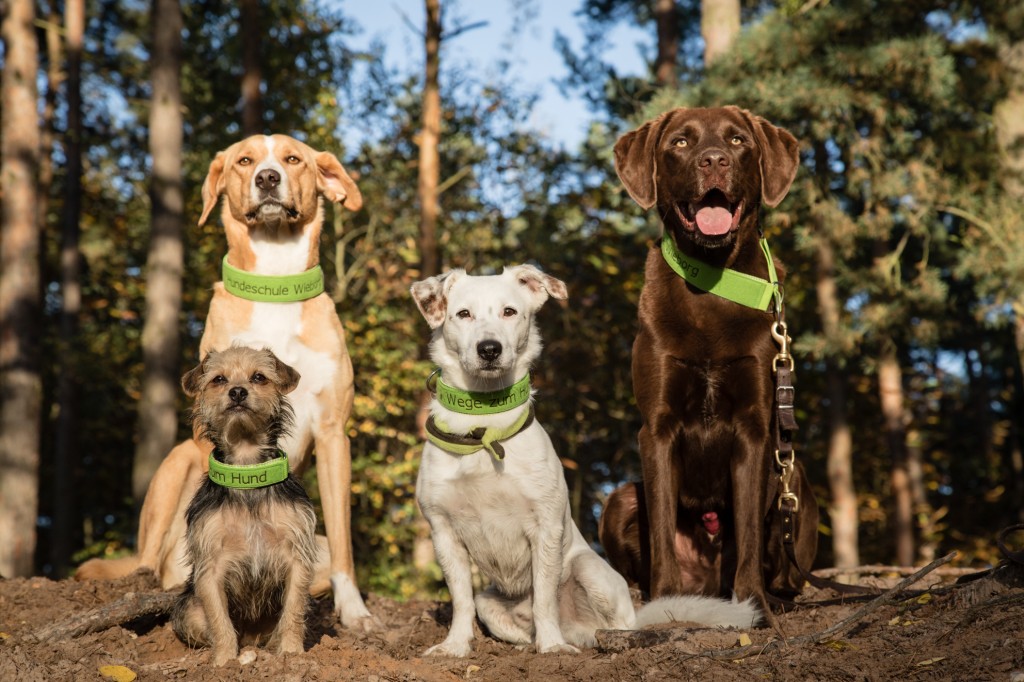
529 44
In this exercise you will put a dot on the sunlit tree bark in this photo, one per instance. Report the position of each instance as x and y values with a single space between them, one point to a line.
20 382
158 416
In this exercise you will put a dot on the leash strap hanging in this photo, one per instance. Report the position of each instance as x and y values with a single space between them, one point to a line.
785 455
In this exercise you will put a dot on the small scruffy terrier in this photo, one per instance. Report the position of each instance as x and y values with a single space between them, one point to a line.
251 526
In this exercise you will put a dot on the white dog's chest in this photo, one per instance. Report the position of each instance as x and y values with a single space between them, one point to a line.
493 509
278 326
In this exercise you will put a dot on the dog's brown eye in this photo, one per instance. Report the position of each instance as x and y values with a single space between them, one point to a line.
510 312
462 314
680 143
258 378
244 161
219 379
736 139
292 159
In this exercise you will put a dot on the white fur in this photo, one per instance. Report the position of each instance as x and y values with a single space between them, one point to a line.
277 326
512 517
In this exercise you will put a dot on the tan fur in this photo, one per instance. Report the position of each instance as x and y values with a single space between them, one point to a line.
311 175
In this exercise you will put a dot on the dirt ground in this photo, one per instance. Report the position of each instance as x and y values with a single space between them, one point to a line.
971 632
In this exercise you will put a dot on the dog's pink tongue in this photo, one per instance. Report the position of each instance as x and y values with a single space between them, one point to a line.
714 220
711 523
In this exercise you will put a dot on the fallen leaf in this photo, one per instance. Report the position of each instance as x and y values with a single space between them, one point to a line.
471 669
745 640
118 673
931 660
837 645
924 598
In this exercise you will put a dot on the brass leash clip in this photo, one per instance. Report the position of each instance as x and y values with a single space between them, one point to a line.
786 474
779 333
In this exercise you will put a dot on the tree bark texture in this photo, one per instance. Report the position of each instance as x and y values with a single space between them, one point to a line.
158 415
668 42
65 514
20 381
843 506
719 25
430 135
890 388
252 76
1008 119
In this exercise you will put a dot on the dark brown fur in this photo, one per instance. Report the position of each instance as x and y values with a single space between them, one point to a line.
702 370
252 551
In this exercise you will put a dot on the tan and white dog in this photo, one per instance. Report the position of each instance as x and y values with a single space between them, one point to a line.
492 488
272 217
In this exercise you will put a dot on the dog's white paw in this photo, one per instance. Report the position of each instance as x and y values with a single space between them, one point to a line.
349 606
558 649
458 649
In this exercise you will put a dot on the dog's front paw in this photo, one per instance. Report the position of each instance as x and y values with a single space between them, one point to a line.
288 644
562 648
458 649
223 656
349 606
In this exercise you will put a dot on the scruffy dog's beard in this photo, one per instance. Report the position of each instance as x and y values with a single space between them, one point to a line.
257 424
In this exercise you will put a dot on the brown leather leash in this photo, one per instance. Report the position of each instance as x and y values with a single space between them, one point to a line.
785 455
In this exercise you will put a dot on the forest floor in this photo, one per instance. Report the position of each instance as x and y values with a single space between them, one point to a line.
937 631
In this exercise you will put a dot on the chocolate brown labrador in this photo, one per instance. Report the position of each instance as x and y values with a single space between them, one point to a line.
704 520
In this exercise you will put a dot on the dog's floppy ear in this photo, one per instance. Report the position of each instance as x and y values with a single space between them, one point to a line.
335 183
636 161
780 158
213 186
193 378
431 296
287 377
539 284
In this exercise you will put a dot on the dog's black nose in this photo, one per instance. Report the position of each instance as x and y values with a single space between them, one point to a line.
488 350
238 394
267 179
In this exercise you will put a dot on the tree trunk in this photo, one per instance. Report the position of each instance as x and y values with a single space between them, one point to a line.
719 25
20 382
1008 119
430 135
429 177
843 507
158 416
668 42
890 389
252 102
65 511
54 79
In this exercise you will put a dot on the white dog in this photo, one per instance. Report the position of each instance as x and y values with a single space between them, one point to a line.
492 487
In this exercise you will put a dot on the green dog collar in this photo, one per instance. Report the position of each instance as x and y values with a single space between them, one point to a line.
480 438
272 288
738 287
248 476
468 402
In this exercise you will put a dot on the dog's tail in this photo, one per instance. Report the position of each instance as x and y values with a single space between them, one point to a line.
708 611
107 569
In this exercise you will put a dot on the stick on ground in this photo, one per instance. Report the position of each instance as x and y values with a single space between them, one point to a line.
129 607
